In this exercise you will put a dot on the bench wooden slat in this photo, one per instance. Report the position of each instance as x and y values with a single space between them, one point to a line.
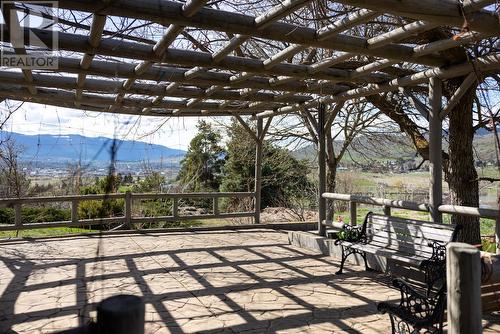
405 247
401 248
438 230
421 242
490 297
413 231
405 221
387 235
390 253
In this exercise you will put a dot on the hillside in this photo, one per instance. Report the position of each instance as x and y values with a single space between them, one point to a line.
63 148
396 147
363 149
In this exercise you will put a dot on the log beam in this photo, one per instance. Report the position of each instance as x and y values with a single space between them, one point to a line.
168 12
444 12
17 93
113 87
481 64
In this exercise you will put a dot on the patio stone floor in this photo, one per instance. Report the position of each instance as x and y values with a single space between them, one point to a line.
248 281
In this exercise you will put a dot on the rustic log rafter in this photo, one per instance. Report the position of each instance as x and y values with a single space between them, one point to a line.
188 9
484 64
261 22
96 31
295 87
16 38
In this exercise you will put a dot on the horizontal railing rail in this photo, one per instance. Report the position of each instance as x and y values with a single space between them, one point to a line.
127 219
378 201
387 204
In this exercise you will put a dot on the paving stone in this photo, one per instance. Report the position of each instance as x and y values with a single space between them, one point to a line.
248 281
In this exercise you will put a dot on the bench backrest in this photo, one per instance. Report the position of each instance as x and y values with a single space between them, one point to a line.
407 235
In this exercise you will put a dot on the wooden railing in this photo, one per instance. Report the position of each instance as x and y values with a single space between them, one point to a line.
387 204
127 219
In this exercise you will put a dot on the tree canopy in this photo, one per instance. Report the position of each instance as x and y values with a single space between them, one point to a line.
209 166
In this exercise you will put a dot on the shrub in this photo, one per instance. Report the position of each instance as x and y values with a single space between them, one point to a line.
35 215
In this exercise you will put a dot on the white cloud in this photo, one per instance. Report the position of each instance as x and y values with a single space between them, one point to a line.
41 119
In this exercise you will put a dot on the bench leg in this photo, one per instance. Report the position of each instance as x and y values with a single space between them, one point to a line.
344 257
363 254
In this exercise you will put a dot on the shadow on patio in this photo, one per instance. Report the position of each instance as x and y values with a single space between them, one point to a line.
211 282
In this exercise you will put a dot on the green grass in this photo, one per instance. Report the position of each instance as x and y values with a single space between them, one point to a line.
488 246
487 226
362 211
45 232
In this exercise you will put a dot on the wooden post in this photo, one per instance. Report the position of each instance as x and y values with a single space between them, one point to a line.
497 234
175 207
497 229
353 213
435 148
216 206
17 217
74 211
121 314
463 275
387 210
321 170
128 210
258 170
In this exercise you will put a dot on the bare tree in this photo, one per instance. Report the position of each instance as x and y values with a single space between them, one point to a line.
13 179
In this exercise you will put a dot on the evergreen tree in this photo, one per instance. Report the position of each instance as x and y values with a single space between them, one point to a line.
283 176
201 167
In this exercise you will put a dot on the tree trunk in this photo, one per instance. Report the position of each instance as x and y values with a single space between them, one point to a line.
458 164
461 174
391 109
331 177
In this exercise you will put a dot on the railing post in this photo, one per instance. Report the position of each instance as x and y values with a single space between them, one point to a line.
463 275
258 170
175 207
353 213
435 149
17 215
497 229
321 170
497 234
74 211
128 210
216 205
387 210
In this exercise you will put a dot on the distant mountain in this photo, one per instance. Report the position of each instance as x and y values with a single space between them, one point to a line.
64 148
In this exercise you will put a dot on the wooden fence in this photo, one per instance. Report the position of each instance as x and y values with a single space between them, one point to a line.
387 204
127 219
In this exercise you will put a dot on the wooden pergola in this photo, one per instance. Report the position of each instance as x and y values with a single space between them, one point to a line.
160 80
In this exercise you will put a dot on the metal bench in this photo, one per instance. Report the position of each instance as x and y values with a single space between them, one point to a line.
409 241
416 312
416 243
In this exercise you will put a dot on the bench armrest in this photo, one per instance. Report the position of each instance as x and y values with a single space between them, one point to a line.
435 267
353 233
412 303
414 307
349 233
